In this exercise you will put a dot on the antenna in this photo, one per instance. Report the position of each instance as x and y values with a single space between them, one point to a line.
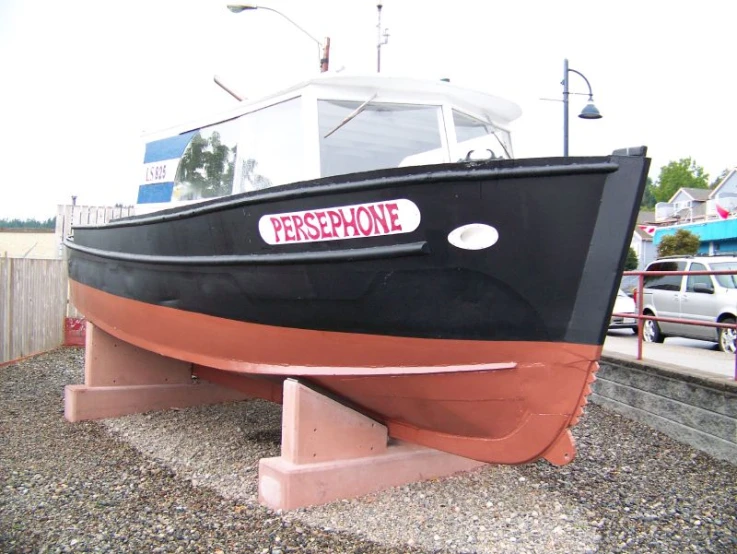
382 37
219 82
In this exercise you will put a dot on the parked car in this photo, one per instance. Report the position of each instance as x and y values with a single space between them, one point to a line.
703 298
623 305
629 284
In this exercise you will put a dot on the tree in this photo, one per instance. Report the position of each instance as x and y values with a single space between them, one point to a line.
207 167
28 223
719 178
631 263
683 173
683 243
648 197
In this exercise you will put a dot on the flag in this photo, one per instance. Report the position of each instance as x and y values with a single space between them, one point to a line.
723 213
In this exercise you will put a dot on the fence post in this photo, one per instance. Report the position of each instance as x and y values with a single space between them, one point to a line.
639 306
7 293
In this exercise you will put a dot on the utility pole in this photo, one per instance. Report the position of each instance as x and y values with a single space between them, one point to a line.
382 37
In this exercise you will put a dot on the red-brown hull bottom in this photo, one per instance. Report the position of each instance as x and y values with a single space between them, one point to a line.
500 402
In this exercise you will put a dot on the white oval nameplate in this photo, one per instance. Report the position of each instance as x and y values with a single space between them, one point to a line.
339 223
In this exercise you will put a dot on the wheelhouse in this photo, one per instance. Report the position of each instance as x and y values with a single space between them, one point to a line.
328 126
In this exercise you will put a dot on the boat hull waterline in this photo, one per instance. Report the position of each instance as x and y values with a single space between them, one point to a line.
353 285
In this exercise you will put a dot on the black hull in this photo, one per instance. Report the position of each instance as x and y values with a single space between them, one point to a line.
564 228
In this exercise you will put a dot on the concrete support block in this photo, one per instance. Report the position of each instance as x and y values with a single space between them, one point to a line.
331 452
109 361
122 379
84 403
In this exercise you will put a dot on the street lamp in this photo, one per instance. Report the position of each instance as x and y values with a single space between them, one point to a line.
322 49
589 111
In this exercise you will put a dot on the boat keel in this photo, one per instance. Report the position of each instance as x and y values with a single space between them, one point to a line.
563 449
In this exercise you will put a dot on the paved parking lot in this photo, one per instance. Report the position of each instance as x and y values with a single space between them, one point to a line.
695 356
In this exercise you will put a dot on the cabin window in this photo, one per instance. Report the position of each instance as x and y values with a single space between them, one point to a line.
478 136
271 147
207 165
358 136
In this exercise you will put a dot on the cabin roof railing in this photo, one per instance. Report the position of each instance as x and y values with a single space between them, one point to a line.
421 91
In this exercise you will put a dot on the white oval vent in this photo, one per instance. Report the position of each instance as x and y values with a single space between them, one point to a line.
474 236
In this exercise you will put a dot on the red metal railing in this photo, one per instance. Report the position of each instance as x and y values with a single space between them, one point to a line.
641 317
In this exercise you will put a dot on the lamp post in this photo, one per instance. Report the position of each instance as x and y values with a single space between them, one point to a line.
323 50
589 111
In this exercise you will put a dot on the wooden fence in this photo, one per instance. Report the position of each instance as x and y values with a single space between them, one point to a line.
67 216
33 306
34 293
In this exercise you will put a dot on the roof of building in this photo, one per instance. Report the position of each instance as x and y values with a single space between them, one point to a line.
645 217
644 235
700 195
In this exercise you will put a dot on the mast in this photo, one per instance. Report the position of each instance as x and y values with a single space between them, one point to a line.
325 60
219 82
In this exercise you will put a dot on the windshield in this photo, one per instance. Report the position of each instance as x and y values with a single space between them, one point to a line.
361 136
727 281
473 134
267 136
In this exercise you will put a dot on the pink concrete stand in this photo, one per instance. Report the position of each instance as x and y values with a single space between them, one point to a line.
331 452
122 379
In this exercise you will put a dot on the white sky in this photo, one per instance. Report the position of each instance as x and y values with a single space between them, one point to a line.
82 79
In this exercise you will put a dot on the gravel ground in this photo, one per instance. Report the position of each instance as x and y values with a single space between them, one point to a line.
186 481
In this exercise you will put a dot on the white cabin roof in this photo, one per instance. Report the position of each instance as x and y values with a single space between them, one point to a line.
387 88
424 90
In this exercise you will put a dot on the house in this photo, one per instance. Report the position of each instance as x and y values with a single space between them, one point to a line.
642 244
688 204
709 213
724 197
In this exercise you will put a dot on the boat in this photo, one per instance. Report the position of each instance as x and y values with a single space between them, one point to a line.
375 238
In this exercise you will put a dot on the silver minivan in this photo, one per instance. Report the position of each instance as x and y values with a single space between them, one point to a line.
707 298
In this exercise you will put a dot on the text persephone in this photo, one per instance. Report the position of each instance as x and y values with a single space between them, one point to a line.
339 223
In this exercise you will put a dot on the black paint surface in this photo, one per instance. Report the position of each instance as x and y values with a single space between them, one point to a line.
564 226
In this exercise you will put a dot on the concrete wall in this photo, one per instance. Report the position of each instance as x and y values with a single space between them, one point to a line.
699 411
